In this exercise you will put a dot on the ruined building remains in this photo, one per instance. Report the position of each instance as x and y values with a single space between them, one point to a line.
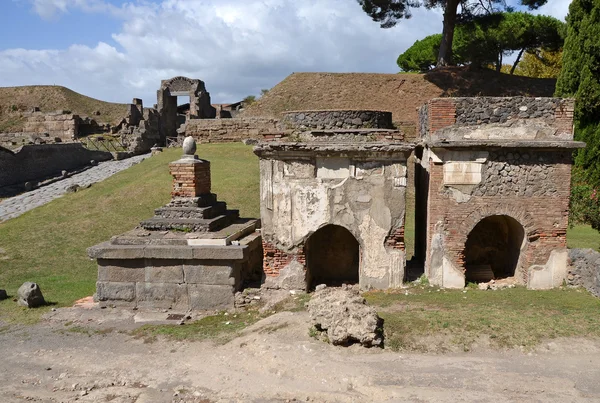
493 183
200 107
492 178
333 200
492 194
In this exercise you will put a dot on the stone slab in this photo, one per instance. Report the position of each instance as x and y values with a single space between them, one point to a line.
232 252
106 250
162 272
210 297
120 271
113 291
162 295
211 274
167 252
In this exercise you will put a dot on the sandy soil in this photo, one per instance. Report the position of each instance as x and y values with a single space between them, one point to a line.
273 361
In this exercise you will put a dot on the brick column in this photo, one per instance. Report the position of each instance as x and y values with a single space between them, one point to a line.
191 177
442 113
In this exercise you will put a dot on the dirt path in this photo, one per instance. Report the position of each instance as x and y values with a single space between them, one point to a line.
275 360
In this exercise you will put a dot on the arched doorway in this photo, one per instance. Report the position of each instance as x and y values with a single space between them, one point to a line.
493 249
332 257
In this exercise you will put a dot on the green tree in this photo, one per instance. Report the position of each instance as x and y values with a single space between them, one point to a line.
484 40
539 63
422 55
389 12
580 78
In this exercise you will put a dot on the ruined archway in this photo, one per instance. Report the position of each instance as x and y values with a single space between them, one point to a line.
493 248
332 257
200 107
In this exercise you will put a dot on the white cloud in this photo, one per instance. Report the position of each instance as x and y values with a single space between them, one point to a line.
236 47
51 9
555 8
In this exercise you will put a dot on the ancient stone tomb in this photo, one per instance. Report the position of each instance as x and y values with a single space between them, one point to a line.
193 254
333 201
493 182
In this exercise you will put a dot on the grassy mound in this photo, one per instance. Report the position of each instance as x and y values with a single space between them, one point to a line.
397 93
16 100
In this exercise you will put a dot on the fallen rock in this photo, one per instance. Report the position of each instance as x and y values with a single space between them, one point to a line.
344 315
3 295
30 295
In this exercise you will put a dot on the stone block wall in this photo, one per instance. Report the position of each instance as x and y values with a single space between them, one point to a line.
58 124
167 283
229 130
338 119
440 113
33 162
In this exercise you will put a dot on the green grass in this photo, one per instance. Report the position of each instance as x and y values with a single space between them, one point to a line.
583 236
48 245
219 328
430 320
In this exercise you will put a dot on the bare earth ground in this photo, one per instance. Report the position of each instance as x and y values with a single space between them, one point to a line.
274 360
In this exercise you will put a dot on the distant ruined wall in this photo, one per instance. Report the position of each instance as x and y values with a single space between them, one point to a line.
38 161
57 124
228 130
338 119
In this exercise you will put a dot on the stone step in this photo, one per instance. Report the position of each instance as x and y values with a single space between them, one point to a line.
191 212
190 224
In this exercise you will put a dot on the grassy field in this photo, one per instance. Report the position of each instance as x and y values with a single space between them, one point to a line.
48 245
429 319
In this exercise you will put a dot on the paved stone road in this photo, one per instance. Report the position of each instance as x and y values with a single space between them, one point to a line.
15 206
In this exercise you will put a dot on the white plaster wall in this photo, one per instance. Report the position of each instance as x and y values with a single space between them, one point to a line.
368 206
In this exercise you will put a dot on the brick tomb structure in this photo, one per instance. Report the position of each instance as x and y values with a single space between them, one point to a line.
193 254
493 182
333 201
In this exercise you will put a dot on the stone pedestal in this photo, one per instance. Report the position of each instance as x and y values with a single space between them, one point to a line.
191 177
193 254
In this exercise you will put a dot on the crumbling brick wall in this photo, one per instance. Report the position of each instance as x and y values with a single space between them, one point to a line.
538 199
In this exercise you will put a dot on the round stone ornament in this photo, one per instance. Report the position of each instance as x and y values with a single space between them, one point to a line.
189 146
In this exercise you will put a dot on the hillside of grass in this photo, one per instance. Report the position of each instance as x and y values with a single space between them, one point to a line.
14 101
48 245
400 94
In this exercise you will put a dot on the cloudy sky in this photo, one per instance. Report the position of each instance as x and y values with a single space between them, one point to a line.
116 50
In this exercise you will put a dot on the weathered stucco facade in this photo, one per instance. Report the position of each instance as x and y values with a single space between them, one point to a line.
493 183
333 209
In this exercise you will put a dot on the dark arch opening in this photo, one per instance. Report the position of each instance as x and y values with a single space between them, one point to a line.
332 257
493 248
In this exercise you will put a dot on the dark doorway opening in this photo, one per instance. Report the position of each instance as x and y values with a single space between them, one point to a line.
332 257
493 248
